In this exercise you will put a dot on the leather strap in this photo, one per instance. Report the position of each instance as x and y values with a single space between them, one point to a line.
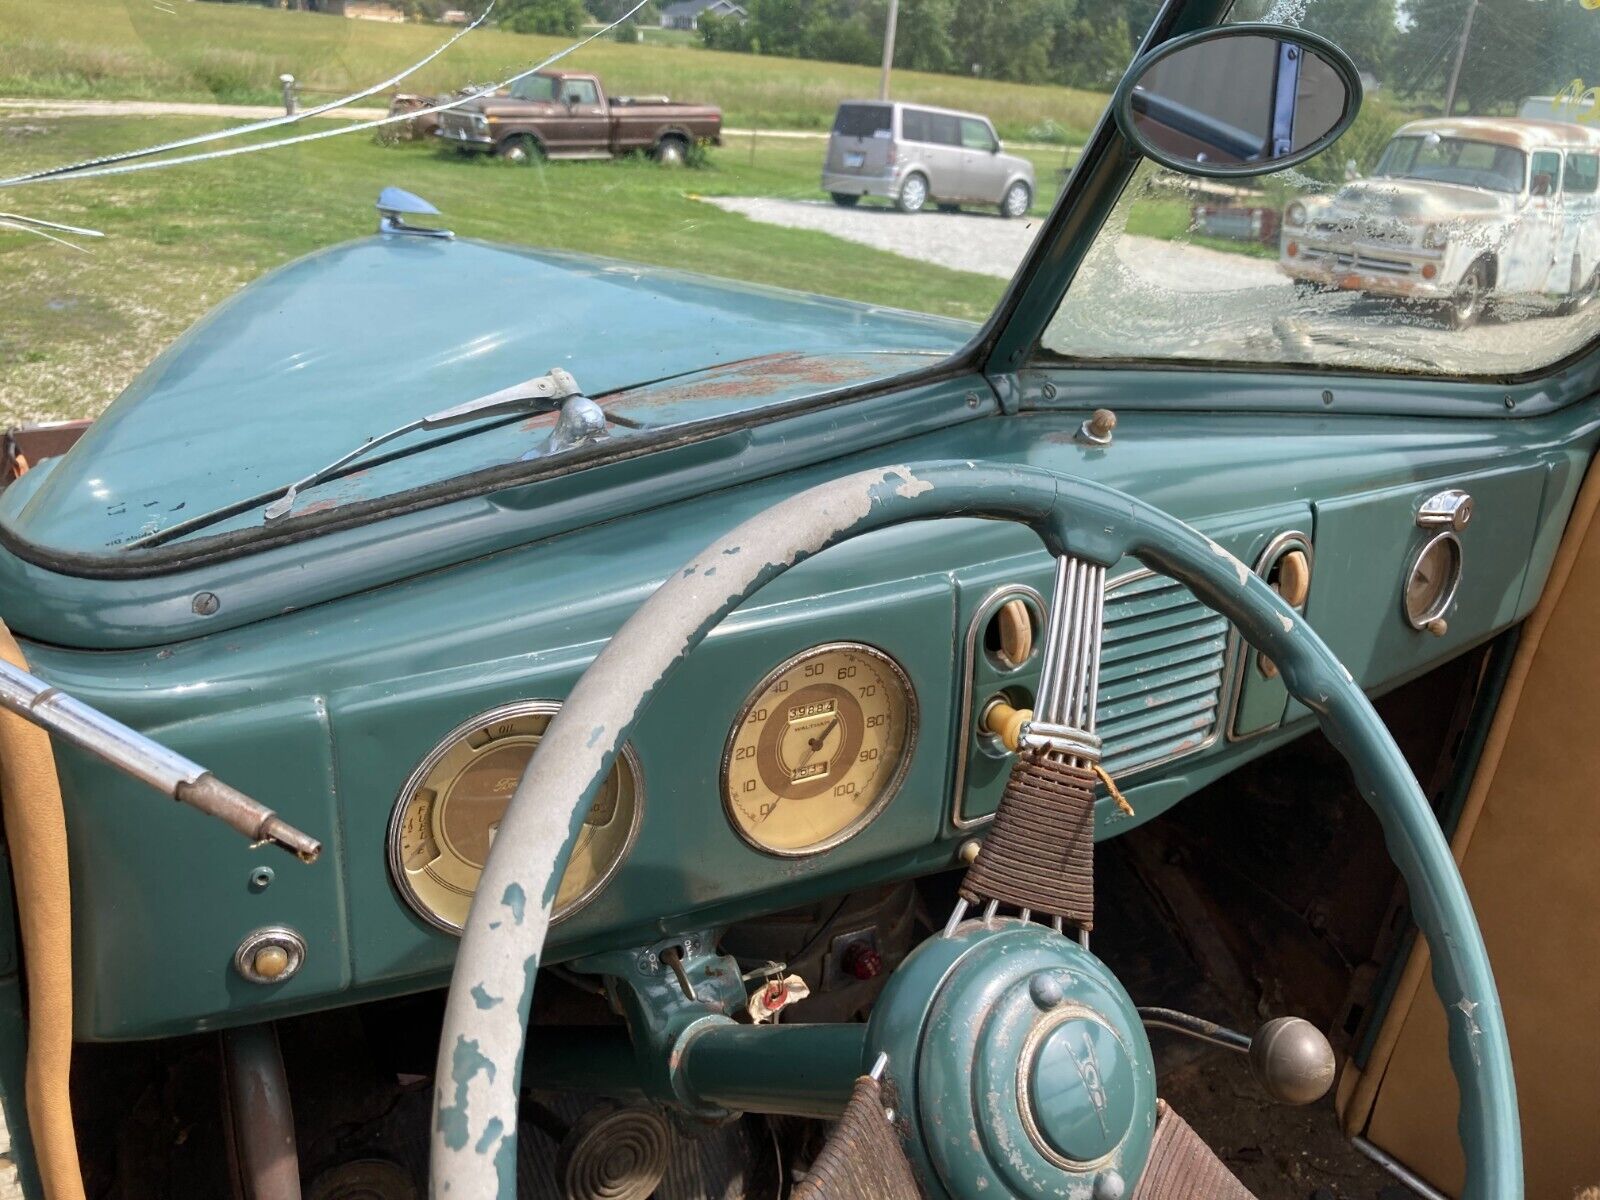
1039 853
36 831
862 1159
1182 1167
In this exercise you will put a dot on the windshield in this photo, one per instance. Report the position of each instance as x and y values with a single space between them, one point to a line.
741 210
1444 233
1453 160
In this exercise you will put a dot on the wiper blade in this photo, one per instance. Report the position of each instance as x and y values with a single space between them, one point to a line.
581 421
543 394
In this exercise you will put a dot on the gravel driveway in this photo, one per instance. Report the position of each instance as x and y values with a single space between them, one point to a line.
984 243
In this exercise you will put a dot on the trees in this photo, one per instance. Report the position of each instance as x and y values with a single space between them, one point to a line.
554 17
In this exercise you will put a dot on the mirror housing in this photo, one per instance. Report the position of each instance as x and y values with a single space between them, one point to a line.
1237 100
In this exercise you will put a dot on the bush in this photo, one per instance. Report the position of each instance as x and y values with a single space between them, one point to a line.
560 18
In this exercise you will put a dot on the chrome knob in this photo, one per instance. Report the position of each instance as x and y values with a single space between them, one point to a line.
1450 509
1292 1061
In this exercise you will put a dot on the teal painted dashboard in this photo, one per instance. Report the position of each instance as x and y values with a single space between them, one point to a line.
324 711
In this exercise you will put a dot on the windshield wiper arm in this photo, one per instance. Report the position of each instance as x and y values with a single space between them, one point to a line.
542 394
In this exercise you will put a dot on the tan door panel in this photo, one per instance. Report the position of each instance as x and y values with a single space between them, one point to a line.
1529 845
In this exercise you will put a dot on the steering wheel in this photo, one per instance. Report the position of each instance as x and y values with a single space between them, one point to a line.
480 1053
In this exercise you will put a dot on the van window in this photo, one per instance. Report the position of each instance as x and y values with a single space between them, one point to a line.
976 135
914 124
944 129
1544 175
1583 173
863 120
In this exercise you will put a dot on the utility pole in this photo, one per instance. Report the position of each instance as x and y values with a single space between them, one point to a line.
1461 53
888 48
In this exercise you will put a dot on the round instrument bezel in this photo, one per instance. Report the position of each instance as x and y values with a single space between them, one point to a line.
1447 597
628 760
890 788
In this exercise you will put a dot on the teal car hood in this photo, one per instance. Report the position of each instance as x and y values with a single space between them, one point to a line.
308 362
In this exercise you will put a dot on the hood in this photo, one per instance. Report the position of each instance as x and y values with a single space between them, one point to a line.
308 362
1419 200
501 104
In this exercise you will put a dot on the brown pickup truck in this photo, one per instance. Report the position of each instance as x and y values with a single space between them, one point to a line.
560 114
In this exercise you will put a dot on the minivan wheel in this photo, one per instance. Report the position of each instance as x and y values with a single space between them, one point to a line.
1464 308
520 149
1018 199
913 195
845 199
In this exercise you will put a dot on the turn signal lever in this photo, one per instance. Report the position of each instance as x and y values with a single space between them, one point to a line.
147 761
1289 1057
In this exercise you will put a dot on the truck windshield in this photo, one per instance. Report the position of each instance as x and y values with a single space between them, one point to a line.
535 87
1454 160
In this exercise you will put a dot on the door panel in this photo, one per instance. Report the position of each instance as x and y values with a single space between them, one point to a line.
1527 847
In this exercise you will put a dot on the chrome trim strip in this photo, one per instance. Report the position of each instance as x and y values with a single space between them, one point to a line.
1238 649
518 708
1398 1169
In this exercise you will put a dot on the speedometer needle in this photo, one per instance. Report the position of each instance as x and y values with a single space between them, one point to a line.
815 744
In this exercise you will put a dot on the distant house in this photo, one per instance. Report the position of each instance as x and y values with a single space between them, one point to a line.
454 16
686 14
364 10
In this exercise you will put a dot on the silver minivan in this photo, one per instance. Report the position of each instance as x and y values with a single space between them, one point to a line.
911 154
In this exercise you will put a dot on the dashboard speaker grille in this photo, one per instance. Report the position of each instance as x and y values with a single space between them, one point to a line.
1161 669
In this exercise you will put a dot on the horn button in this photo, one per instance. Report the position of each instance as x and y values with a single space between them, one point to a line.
1021 1065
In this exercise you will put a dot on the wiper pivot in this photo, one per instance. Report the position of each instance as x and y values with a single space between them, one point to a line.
542 394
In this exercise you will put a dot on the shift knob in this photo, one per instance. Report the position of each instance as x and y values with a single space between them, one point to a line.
1292 1061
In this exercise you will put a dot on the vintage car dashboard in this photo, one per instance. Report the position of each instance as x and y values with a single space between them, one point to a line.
827 736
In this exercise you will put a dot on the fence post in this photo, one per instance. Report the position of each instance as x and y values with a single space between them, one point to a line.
290 105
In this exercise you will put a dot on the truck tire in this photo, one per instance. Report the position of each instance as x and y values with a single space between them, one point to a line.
1470 298
520 148
913 194
671 151
1582 292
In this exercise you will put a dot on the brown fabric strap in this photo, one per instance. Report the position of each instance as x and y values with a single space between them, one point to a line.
1039 853
863 1159
1182 1167
36 830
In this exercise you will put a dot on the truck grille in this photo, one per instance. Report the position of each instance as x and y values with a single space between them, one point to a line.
1161 672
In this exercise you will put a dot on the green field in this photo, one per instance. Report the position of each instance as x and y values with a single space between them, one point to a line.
75 328
131 49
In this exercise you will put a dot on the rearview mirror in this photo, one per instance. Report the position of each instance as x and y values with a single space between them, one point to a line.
1238 100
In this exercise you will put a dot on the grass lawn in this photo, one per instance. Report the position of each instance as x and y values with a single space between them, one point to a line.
1172 220
132 49
75 328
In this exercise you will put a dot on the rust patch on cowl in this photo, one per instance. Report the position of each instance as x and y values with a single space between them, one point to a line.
749 377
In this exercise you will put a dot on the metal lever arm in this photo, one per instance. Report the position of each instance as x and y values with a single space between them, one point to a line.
148 761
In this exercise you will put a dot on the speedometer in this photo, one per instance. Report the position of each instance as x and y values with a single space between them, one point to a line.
819 748
450 810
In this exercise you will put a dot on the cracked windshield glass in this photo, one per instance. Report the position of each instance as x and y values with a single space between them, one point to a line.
1453 229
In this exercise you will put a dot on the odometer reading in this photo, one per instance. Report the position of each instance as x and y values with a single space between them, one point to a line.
451 807
818 749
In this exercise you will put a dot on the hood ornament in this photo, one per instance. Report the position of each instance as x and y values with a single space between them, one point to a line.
395 204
